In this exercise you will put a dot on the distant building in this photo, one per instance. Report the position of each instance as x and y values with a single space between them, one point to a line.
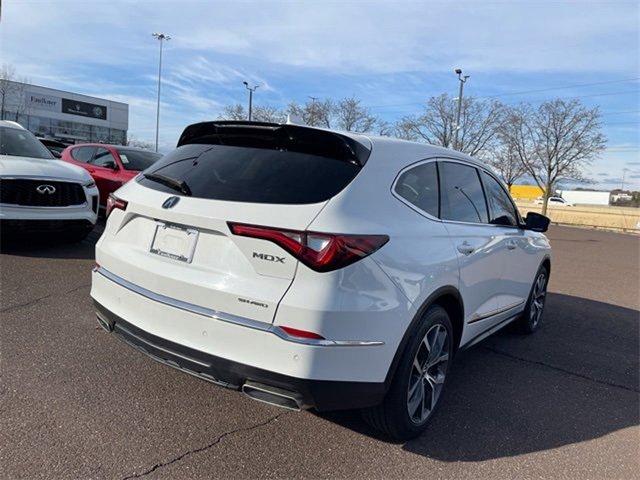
621 197
526 192
64 115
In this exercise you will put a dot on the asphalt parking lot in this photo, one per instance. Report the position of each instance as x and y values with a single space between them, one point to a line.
564 403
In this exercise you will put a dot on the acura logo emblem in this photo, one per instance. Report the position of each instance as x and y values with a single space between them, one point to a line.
46 189
170 202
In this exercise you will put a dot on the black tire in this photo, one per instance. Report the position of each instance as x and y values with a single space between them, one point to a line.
392 416
532 316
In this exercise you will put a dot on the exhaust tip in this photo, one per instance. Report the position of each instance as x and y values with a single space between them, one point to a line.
273 396
106 325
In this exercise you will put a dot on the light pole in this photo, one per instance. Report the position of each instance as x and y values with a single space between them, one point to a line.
251 90
162 38
624 174
462 79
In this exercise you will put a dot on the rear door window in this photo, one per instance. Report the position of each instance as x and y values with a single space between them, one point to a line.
103 158
462 196
83 154
419 186
247 174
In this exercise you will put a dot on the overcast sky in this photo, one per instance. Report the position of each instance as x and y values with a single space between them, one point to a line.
392 55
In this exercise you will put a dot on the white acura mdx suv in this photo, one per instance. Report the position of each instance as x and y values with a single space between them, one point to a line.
40 194
312 268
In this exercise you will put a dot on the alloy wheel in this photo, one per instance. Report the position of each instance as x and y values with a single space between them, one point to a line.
538 297
428 374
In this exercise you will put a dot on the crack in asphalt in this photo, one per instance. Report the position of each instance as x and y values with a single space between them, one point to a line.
560 369
215 442
12 308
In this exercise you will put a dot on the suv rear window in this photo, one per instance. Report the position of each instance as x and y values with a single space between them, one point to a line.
278 165
252 175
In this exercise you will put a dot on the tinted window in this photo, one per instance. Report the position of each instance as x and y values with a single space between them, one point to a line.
501 209
83 154
21 143
461 193
103 158
419 186
256 175
137 159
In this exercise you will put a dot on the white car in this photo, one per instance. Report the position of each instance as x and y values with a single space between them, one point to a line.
40 194
311 268
554 202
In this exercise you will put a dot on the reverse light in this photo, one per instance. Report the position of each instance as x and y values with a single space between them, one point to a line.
114 202
322 252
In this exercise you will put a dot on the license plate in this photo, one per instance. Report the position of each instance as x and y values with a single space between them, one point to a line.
174 242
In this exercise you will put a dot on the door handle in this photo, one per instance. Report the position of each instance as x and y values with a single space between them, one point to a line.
465 249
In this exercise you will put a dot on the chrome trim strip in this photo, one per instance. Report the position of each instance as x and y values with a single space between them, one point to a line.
476 318
186 306
230 318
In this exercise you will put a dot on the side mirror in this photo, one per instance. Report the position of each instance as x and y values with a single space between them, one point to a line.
536 222
56 154
110 164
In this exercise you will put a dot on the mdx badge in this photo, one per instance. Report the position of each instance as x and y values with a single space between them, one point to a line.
268 258
170 202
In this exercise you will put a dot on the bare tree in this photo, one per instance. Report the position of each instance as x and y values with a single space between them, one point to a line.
351 116
135 142
554 141
269 114
259 114
405 129
384 128
12 89
7 76
505 160
479 124
234 112
315 113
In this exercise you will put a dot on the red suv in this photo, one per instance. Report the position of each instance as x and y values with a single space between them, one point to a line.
110 165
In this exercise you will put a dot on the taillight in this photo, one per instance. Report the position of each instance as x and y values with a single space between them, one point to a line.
114 202
321 252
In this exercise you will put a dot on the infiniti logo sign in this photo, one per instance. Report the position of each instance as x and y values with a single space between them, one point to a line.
170 202
46 189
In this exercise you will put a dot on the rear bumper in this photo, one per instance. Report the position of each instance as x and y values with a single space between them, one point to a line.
322 394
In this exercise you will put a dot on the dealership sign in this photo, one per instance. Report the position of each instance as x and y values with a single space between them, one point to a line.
84 109
43 102
38 101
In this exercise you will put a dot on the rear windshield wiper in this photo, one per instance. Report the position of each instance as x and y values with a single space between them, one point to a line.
179 185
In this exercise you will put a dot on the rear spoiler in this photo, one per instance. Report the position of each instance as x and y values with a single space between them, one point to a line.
276 136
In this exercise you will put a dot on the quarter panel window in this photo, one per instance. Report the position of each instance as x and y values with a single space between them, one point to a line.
461 194
501 209
83 154
419 186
